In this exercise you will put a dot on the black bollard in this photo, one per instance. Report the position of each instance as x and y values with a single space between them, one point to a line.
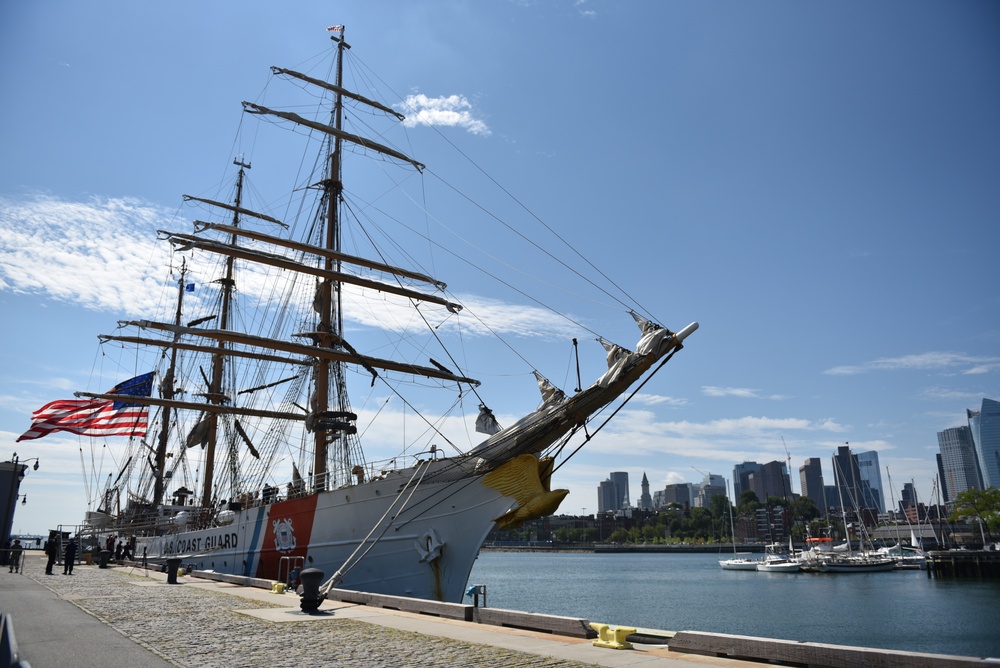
311 578
105 555
172 566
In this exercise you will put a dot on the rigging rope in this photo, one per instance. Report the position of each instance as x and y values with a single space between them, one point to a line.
344 568
617 409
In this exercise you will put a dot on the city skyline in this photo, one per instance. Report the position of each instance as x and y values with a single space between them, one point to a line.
856 475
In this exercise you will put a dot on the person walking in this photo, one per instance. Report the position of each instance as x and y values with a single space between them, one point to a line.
51 552
15 557
70 557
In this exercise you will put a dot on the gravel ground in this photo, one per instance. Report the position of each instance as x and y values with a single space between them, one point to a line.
191 626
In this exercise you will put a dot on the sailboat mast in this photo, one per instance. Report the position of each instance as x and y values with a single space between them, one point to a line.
331 319
215 390
167 392
840 496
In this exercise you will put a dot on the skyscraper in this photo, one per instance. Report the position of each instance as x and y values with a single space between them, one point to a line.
620 479
811 479
985 426
847 479
908 497
871 480
771 479
741 478
678 493
958 462
712 485
606 494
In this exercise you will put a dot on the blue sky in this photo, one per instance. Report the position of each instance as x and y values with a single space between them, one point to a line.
818 184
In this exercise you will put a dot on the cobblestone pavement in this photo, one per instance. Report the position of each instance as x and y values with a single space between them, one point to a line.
190 626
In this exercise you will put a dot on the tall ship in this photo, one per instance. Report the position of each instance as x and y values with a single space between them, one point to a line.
244 448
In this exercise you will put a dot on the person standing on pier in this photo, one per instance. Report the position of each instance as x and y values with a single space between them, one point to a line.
51 552
15 557
70 557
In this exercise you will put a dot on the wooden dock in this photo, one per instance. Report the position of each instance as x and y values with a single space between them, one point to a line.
963 564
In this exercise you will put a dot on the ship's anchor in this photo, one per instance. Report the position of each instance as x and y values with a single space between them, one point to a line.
429 546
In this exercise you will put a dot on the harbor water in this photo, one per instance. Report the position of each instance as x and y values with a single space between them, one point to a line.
902 610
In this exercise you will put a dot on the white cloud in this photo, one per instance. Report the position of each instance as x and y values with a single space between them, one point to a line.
660 400
103 254
89 253
929 361
449 111
941 393
744 392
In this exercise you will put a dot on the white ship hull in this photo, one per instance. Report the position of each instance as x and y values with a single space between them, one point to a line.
426 550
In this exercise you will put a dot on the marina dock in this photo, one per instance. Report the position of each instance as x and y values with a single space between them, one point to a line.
126 616
964 564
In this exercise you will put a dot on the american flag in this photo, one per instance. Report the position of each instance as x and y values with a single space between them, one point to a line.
335 29
95 417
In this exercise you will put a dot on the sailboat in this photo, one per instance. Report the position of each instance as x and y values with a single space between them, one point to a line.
253 462
845 560
736 562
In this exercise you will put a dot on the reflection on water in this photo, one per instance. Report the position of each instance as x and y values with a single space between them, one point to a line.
895 610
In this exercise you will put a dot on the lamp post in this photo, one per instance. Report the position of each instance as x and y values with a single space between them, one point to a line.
18 469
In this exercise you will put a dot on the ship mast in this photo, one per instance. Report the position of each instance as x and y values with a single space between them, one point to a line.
215 394
330 374
167 393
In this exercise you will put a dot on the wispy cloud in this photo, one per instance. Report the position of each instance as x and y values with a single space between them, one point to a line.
660 400
640 432
449 111
745 392
90 253
581 6
102 254
942 393
957 363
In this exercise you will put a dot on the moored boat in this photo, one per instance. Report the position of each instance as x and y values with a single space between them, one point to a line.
739 564
778 560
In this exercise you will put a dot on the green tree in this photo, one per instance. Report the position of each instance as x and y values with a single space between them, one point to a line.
982 505
618 536
775 502
719 507
805 509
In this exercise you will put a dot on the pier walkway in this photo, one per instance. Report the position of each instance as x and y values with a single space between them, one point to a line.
121 616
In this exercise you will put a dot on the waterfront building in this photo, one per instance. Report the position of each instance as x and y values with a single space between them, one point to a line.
985 426
959 461
771 524
741 478
811 480
771 479
620 479
645 500
871 480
